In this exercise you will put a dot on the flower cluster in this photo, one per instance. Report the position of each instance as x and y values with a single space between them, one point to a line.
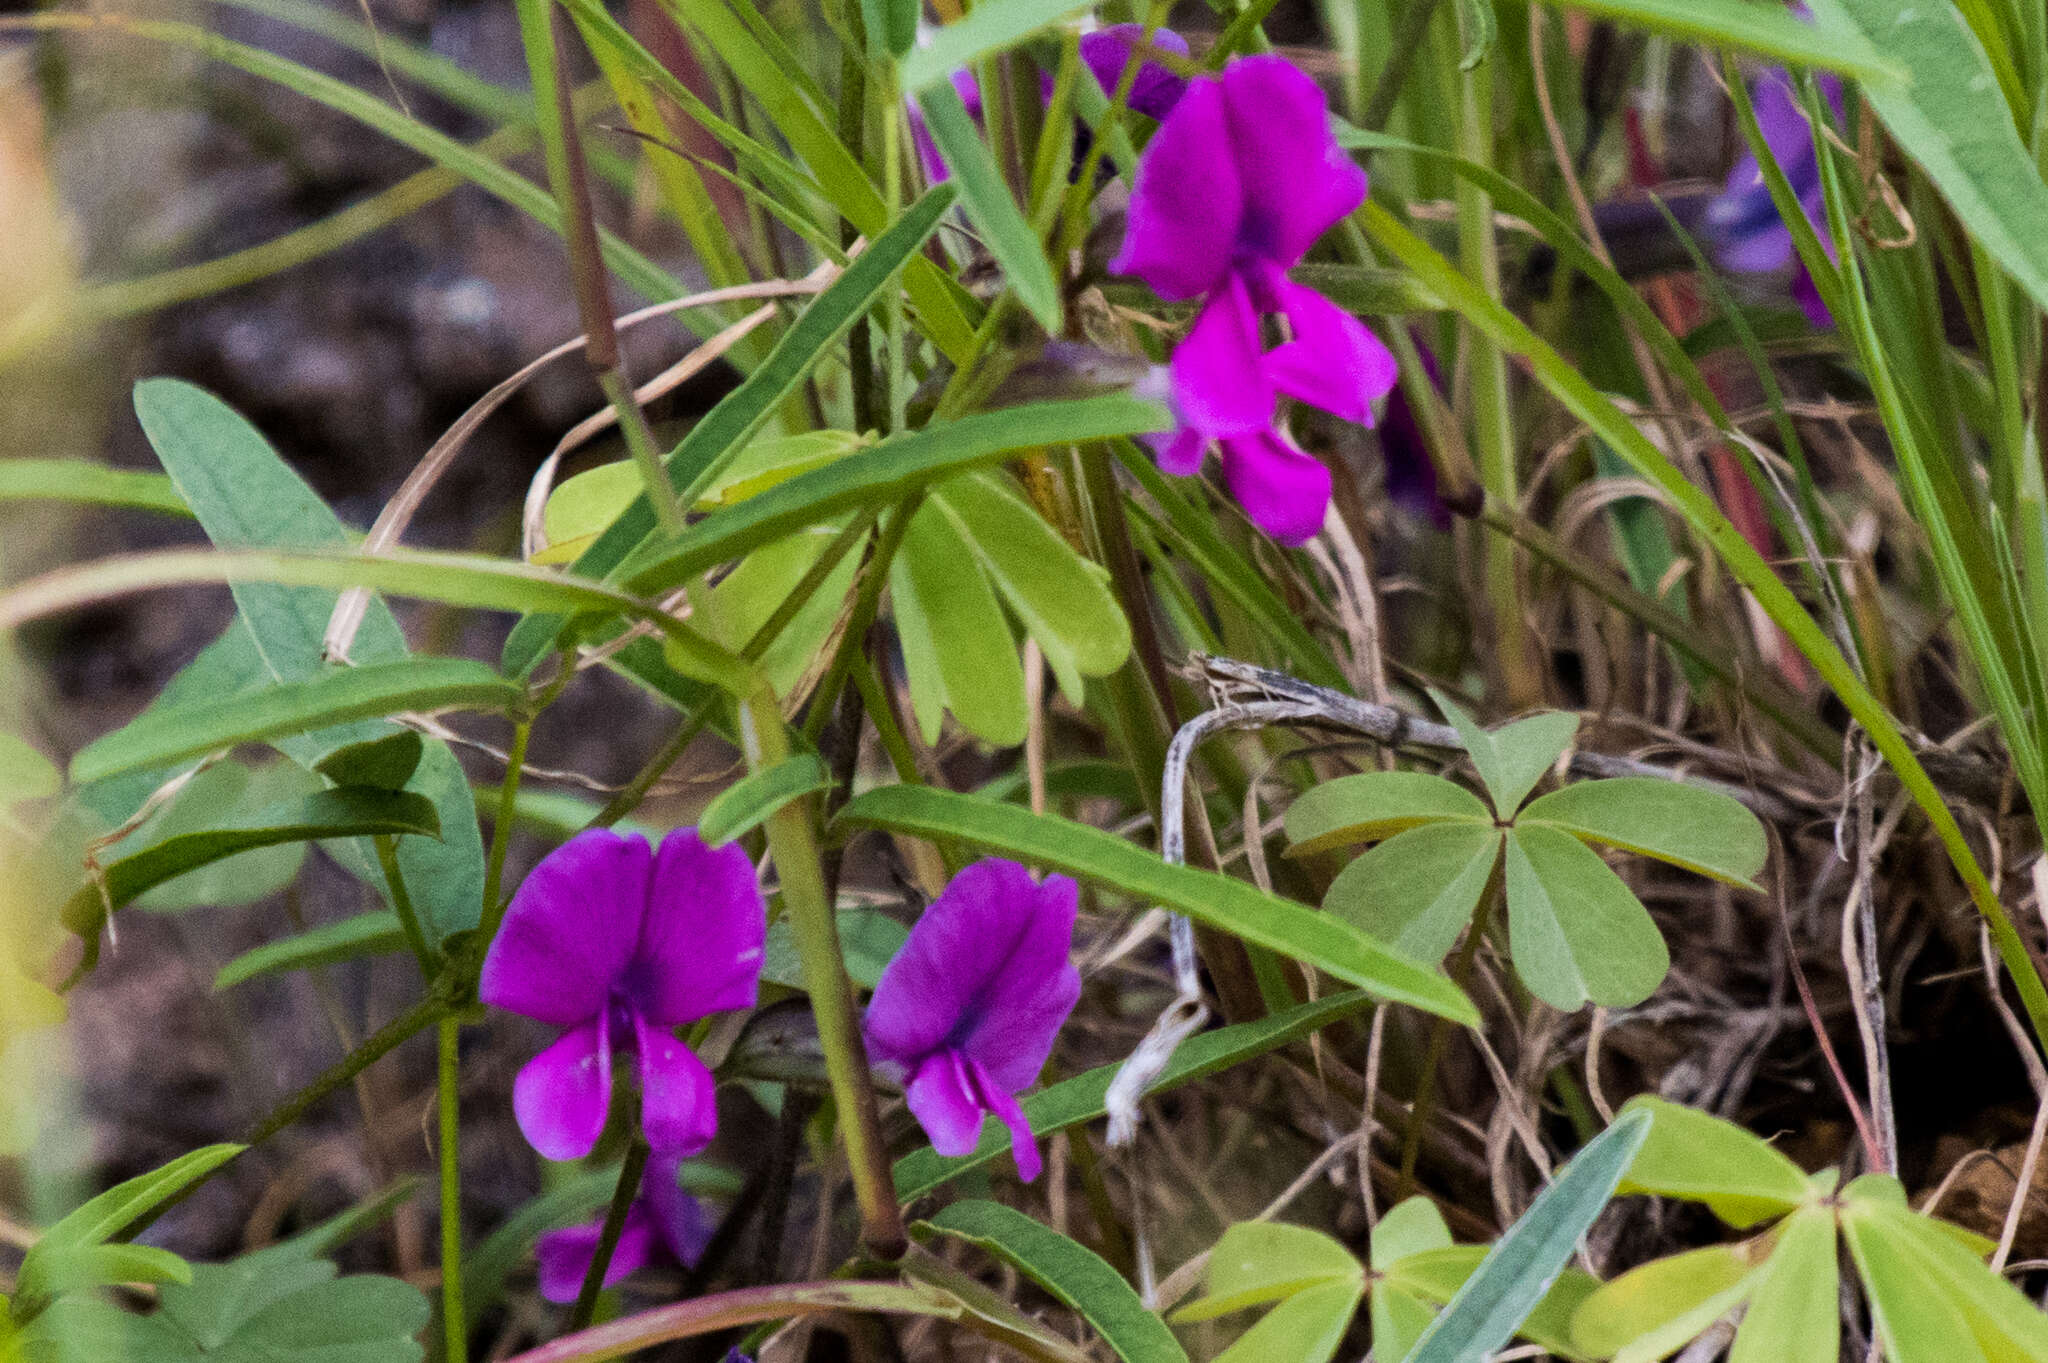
1242 178
618 944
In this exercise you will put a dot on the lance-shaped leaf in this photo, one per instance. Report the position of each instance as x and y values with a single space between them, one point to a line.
989 205
748 802
247 497
341 696
343 812
1795 1305
1072 1273
1527 1259
364 934
120 1206
1216 900
1700 830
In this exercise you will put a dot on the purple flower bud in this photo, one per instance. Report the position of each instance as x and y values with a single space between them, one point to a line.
619 944
968 1010
663 1225
1242 178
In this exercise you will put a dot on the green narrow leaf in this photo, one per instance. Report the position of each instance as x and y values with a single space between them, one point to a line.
81 480
1073 1273
1080 1099
343 812
247 497
957 645
365 934
1698 1157
1374 805
1525 1261
717 439
1952 119
1215 900
992 26
106 1216
748 802
81 1268
2006 1325
1577 933
884 475
989 204
385 763
1417 890
1700 830
338 697
1511 759
1916 1321
1765 29
1063 600
891 25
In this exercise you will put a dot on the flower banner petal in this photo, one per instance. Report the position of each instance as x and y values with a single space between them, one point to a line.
1182 228
571 929
1297 182
701 941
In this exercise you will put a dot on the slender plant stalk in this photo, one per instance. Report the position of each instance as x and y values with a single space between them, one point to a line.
1424 1106
793 842
630 1174
448 1079
501 830
401 902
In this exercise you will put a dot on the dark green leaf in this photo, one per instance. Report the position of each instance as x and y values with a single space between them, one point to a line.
340 696
343 812
989 204
1216 900
1952 119
1766 29
1074 1274
891 25
386 763
247 497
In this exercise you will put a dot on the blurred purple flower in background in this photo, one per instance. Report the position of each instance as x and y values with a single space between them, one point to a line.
969 1008
1748 235
664 1225
620 944
1105 52
1239 182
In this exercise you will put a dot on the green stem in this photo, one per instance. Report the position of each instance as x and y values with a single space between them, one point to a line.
454 1324
1493 422
401 902
1401 56
1440 1036
375 1047
792 841
501 830
608 1238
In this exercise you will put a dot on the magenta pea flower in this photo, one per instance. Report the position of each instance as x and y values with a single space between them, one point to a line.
620 944
1239 182
967 1012
663 1225
1749 236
